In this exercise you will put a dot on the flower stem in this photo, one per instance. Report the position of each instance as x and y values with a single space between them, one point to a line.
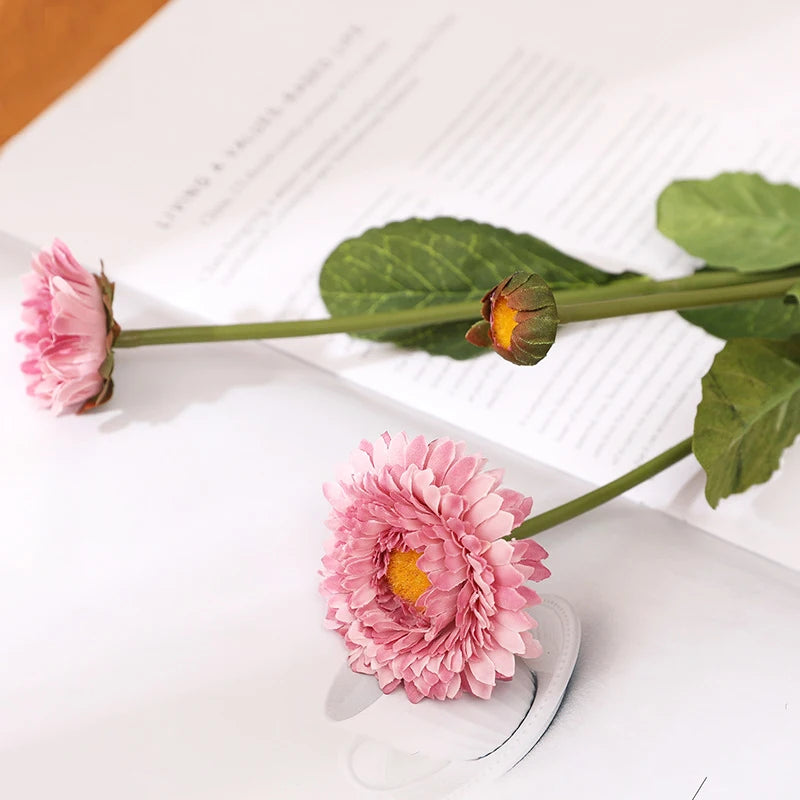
641 285
633 296
452 312
586 502
671 300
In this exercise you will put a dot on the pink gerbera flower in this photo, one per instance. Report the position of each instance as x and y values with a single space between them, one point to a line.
418 577
69 334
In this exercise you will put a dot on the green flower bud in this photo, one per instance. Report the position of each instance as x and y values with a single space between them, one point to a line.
519 319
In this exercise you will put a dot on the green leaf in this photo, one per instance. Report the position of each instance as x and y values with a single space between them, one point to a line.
418 263
749 413
737 220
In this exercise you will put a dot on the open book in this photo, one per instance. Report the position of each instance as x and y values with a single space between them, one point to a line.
212 163
219 181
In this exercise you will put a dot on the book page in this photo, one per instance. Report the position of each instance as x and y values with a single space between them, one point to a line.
219 177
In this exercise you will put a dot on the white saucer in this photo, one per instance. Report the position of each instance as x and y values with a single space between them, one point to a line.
393 774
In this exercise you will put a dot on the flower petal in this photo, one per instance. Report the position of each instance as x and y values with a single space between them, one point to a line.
68 332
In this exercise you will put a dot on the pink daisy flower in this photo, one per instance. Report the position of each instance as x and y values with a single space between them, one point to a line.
69 332
418 577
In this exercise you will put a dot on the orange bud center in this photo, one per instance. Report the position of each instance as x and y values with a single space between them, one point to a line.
405 578
504 320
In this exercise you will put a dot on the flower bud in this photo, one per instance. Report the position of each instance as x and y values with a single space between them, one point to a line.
519 319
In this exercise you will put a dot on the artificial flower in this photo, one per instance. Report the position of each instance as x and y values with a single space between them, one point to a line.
69 333
519 319
418 578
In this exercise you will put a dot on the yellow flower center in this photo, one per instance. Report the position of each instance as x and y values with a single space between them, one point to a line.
405 578
504 320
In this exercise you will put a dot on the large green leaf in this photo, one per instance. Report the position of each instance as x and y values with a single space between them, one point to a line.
749 413
736 220
418 263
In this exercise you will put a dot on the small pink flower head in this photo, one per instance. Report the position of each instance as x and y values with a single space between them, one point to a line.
418 577
69 333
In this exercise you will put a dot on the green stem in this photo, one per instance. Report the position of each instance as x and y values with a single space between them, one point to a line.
574 305
707 279
453 312
586 502
672 300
